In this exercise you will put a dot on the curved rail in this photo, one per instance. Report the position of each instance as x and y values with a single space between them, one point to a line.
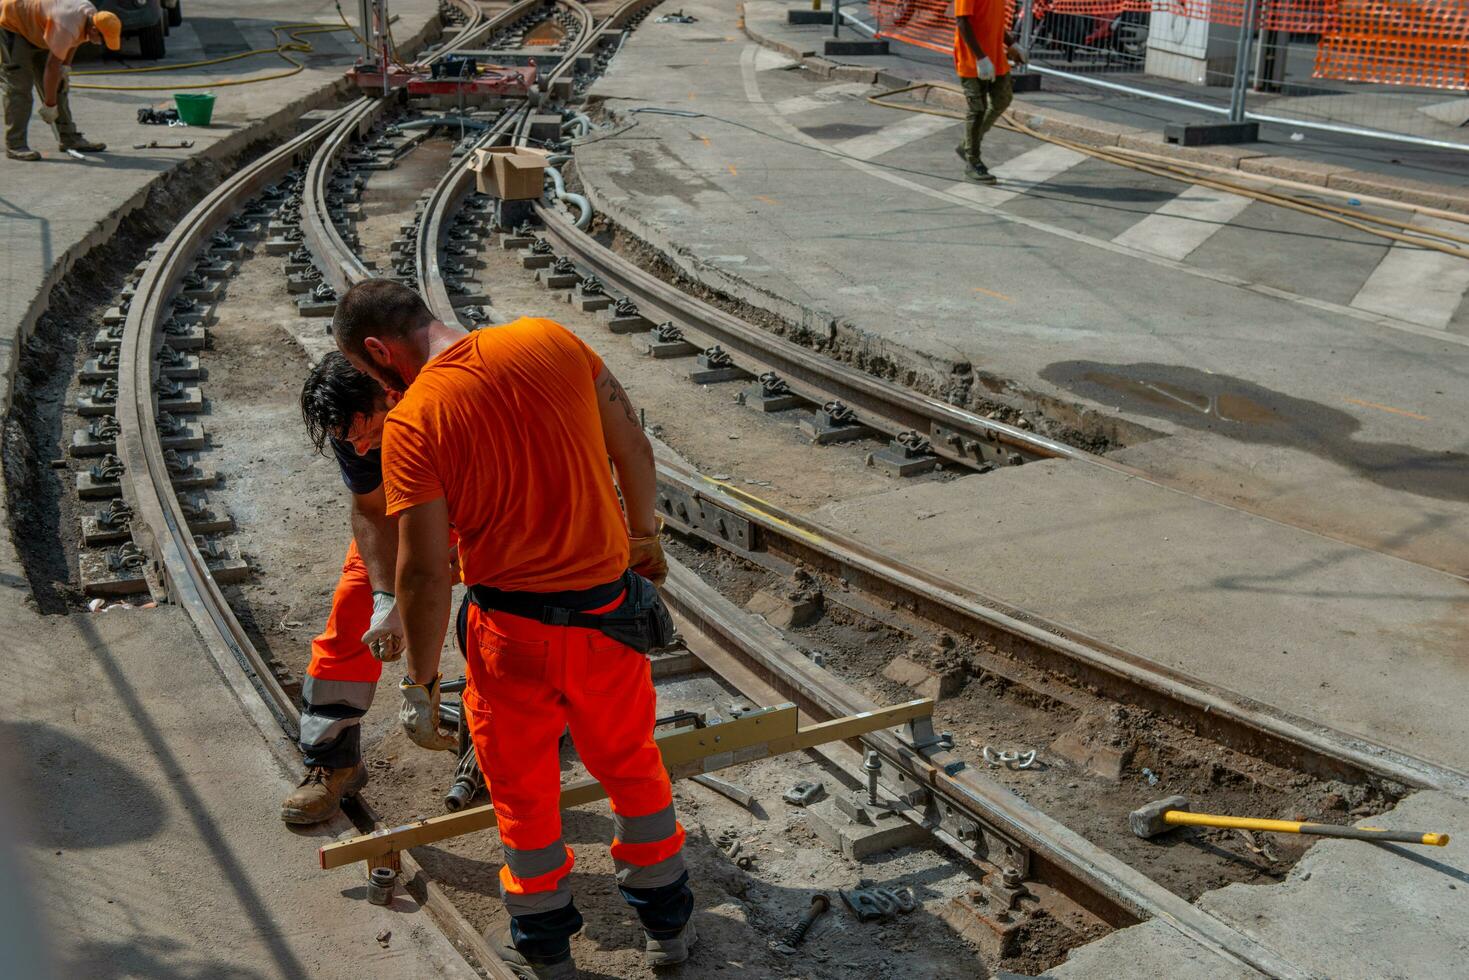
454 187
340 264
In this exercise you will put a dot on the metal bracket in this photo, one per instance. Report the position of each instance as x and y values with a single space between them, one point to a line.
700 514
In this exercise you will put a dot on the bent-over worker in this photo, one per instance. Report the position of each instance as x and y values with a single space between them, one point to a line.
344 411
507 432
38 39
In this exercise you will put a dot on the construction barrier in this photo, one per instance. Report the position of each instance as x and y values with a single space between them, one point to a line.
1419 43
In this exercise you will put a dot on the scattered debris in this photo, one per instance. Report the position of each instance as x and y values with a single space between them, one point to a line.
871 904
805 793
383 937
1014 759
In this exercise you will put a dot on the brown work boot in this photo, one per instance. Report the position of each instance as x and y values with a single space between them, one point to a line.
319 796
504 946
83 145
22 153
659 953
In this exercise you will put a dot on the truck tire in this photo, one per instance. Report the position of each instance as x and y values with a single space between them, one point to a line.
150 42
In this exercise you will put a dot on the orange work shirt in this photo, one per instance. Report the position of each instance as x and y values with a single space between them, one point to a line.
505 425
55 25
987 20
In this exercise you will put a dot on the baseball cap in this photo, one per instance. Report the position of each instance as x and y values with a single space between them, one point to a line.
109 27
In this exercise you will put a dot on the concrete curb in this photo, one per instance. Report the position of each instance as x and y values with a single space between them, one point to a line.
1094 132
276 125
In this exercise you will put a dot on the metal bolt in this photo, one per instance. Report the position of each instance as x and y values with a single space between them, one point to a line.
819 904
873 765
1011 877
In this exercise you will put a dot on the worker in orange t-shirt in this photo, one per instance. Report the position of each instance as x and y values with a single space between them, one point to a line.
983 50
506 433
38 39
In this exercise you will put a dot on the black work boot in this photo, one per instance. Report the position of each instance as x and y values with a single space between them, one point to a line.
22 153
562 968
979 173
319 795
82 145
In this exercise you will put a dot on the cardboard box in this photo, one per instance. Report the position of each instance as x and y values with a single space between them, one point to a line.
510 173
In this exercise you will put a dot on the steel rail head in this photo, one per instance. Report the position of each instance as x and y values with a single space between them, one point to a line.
160 527
339 262
816 377
1197 705
760 648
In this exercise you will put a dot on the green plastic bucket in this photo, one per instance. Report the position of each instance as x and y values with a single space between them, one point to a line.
194 108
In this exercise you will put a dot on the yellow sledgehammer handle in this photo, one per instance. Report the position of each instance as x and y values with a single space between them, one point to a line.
1186 819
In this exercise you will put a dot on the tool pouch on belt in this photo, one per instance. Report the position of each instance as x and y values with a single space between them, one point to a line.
640 621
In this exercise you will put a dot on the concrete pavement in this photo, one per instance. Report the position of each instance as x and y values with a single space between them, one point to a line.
1076 288
1348 910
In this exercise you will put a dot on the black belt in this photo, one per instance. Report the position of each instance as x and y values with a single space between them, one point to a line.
551 608
640 621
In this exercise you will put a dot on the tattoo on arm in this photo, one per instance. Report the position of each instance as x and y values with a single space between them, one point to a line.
616 394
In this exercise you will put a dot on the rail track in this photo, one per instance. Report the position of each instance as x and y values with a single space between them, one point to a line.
979 819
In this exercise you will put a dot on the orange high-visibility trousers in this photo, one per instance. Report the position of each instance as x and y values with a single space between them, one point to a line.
527 683
342 676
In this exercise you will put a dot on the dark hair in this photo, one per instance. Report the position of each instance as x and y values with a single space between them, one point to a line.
377 308
334 396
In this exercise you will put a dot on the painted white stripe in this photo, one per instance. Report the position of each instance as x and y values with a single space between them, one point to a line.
1184 223
820 99
1019 174
889 138
1419 285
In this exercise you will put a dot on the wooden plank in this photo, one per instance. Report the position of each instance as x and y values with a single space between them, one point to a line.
757 735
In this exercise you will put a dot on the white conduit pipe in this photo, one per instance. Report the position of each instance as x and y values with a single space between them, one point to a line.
584 219
581 121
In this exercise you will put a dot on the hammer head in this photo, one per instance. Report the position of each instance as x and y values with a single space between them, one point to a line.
1148 821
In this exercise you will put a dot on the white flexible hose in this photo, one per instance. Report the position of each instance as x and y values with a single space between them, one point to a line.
584 219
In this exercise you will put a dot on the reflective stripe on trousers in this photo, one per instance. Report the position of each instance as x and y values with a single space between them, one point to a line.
342 676
527 682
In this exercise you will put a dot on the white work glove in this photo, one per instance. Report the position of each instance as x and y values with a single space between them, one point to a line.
419 715
384 637
50 114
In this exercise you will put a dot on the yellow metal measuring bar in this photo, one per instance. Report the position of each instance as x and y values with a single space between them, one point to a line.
686 752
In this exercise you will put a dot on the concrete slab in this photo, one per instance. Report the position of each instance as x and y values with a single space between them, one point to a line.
1356 435
1324 631
148 799
1347 910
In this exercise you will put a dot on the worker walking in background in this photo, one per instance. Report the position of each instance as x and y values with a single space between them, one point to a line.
507 432
38 39
983 50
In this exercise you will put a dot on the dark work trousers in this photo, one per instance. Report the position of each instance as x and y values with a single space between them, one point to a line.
987 100
23 66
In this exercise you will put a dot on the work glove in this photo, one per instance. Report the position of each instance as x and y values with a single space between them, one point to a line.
50 114
419 715
645 556
384 637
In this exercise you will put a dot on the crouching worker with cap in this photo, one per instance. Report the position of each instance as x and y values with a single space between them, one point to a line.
506 434
38 39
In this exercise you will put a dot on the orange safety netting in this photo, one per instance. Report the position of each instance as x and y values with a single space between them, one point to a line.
1398 42
1423 43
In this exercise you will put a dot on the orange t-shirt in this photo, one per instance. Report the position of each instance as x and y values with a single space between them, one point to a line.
56 25
987 20
505 425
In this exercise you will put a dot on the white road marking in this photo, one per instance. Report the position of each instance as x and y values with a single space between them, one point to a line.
1184 223
751 85
891 137
1019 174
1419 285
819 99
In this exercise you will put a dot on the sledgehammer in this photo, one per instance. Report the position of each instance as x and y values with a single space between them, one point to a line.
1158 817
